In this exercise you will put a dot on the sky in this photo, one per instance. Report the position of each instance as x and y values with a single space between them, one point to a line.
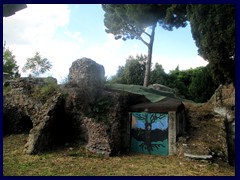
63 33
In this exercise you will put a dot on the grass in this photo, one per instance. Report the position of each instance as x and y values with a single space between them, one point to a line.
75 161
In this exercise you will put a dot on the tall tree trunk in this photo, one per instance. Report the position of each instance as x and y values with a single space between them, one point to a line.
149 59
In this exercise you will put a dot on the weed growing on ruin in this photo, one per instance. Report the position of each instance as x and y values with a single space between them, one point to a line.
99 109
6 90
44 92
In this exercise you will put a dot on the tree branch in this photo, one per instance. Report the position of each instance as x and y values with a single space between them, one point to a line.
133 31
147 44
147 34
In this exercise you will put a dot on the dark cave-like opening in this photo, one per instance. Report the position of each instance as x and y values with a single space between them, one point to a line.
64 129
16 122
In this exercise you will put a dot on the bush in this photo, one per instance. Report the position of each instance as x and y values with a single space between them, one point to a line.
46 91
99 110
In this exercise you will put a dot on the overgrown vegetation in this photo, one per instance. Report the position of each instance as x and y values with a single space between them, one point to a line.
75 161
42 93
99 110
193 84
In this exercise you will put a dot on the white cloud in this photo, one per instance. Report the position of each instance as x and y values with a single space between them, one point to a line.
39 25
37 21
75 36
44 28
35 29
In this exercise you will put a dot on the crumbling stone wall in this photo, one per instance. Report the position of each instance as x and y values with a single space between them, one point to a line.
19 103
223 102
43 118
99 116
95 126
81 111
47 127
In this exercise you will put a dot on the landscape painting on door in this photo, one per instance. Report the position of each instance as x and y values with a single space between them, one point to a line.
149 133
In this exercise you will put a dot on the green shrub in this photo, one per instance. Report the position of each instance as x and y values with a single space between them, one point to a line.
100 109
46 91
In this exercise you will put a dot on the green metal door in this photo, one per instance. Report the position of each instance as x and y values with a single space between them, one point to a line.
149 133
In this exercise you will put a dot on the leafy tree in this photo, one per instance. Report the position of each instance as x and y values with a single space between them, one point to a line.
178 80
213 29
202 85
9 63
194 84
37 65
134 21
134 69
158 75
132 72
118 78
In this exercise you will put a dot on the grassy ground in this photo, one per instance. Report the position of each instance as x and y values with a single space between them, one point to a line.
73 161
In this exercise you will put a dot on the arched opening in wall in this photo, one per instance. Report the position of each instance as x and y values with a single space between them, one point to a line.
62 130
16 122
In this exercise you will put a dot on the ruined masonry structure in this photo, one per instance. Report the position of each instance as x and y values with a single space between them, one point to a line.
84 112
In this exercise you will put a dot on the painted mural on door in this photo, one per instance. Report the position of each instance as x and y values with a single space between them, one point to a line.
149 133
